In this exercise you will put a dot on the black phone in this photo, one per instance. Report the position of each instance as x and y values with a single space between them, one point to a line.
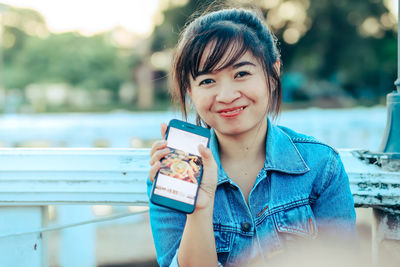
177 183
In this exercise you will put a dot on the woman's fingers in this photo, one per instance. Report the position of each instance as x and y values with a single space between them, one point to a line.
164 128
153 170
207 156
208 183
158 151
158 155
210 167
157 146
161 143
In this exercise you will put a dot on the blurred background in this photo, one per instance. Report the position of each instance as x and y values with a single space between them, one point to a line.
74 56
95 74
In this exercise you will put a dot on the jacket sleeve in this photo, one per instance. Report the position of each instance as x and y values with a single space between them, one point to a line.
167 227
334 206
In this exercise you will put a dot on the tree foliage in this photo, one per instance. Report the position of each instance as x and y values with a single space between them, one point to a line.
166 34
33 55
336 49
350 44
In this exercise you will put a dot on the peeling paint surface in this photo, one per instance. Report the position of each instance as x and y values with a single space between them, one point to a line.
371 185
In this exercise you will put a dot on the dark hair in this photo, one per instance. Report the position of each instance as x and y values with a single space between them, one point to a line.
232 32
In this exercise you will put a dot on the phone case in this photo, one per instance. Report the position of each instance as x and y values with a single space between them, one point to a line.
181 169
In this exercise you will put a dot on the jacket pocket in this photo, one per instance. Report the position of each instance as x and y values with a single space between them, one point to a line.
296 222
223 243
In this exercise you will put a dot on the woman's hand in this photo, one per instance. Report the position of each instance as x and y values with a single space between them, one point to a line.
158 151
208 184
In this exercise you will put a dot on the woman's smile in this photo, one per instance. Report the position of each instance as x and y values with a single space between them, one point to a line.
231 112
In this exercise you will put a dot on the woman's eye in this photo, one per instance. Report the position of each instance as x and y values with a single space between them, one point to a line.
206 81
241 74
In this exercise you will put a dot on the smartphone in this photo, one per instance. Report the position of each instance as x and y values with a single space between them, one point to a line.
177 183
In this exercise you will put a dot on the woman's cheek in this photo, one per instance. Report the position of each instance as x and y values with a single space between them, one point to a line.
203 102
200 102
203 110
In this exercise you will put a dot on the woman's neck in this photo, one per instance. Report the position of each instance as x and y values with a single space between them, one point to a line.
246 146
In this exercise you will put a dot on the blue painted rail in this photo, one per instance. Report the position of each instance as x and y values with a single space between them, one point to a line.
31 179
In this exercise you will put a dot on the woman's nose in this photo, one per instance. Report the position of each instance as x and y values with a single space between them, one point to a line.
227 92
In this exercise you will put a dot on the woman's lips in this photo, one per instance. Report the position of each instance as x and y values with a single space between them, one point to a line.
231 112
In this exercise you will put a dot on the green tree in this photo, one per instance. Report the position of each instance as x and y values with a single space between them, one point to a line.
19 24
351 44
33 55
166 34
337 47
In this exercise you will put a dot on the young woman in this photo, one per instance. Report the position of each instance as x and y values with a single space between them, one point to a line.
264 187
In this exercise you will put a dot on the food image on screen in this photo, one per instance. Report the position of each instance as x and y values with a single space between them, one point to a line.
180 171
181 165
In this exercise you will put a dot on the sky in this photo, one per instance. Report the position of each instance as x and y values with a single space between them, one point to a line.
92 16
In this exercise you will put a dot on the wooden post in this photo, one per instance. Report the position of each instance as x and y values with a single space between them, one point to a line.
78 244
21 250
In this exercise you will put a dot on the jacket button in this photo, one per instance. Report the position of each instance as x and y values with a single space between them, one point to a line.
246 227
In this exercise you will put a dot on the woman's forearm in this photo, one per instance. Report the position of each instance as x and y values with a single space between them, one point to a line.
197 247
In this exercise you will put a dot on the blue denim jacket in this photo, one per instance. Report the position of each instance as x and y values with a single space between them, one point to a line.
301 193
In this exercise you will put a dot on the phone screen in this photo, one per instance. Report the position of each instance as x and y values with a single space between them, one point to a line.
181 169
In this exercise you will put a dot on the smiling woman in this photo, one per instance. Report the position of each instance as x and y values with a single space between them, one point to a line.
89 17
265 188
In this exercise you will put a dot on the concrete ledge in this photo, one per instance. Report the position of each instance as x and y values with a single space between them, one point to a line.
371 185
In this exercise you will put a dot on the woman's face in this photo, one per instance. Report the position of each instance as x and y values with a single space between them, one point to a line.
233 100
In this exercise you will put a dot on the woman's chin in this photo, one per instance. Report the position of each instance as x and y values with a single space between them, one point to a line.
232 130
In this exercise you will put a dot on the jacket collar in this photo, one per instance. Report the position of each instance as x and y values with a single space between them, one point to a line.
281 154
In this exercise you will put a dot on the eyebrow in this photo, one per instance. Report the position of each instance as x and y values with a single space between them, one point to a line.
243 63
234 66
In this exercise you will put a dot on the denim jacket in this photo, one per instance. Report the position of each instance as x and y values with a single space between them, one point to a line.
302 192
